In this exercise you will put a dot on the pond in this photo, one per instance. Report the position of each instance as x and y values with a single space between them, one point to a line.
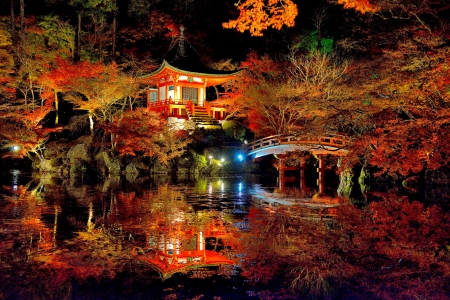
242 237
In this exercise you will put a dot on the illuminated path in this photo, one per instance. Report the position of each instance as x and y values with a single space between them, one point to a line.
281 144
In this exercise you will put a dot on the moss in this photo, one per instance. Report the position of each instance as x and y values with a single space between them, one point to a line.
346 183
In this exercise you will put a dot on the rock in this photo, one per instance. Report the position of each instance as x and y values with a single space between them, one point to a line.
346 183
131 169
57 149
111 162
437 177
46 165
78 152
131 177
160 168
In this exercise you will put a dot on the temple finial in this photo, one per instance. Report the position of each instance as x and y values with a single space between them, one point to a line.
181 52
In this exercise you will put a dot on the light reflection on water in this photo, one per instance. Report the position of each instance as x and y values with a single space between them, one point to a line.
230 237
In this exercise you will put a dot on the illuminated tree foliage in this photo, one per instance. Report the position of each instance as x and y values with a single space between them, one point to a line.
173 144
258 15
137 132
23 132
291 96
7 87
58 34
362 6
95 88
255 16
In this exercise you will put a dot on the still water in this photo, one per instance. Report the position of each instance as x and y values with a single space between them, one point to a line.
216 238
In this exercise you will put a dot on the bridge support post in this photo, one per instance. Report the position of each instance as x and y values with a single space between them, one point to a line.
281 179
302 174
321 171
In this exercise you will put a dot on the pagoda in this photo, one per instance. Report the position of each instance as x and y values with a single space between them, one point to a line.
179 90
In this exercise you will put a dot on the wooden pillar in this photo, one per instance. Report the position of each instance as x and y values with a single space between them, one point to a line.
201 97
281 167
281 178
200 243
302 174
281 182
321 171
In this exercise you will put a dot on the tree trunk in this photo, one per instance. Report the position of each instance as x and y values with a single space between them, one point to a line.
91 124
13 35
319 38
114 26
56 108
78 39
22 25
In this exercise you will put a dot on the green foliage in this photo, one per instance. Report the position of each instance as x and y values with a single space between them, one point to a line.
140 8
234 129
310 41
104 6
5 36
199 160
58 34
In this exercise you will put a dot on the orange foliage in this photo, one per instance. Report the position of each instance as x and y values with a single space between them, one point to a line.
137 132
361 6
258 15
399 147
24 129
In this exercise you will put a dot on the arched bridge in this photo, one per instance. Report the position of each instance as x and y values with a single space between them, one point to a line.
281 144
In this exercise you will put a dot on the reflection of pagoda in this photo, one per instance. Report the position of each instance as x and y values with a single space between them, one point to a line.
180 90
181 250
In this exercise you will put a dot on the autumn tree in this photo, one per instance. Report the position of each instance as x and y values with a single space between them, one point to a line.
23 130
137 132
45 40
58 34
362 6
284 97
255 16
258 15
7 87
172 144
403 103
263 93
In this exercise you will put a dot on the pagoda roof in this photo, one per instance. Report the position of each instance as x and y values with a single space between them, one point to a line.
187 68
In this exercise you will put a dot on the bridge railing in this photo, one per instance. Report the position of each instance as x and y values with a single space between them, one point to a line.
334 140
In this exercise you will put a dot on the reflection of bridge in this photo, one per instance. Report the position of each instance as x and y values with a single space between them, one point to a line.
281 144
315 208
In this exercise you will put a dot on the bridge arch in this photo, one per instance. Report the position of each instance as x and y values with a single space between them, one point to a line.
282 144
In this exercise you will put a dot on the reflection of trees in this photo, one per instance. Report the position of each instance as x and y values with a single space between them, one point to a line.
376 252
60 236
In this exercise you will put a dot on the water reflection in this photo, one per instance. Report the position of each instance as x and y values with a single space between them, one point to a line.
234 238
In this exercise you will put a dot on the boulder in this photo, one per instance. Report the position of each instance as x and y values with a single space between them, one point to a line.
160 168
46 165
78 152
131 169
111 162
